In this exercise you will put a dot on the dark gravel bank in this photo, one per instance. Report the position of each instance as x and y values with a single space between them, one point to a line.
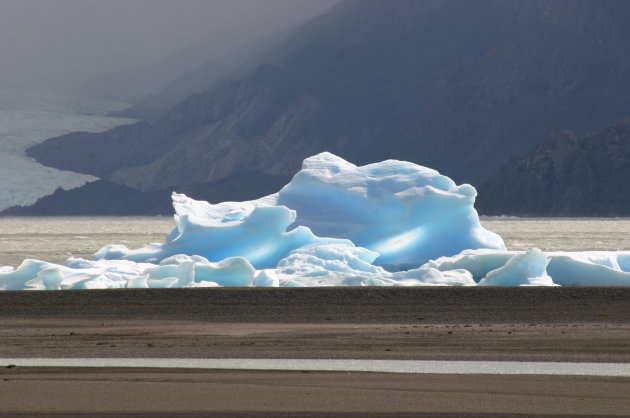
320 305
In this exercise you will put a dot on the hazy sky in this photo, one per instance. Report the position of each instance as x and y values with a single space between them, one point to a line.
61 43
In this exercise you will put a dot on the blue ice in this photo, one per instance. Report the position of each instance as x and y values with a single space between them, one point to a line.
392 223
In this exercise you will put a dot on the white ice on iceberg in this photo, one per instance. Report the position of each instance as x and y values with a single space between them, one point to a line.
392 223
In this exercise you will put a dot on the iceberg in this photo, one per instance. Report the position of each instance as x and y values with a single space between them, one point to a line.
257 232
406 213
392 223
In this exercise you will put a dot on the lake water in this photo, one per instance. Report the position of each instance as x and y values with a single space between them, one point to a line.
57 238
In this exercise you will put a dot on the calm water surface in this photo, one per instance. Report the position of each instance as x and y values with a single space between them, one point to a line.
57 238
562 234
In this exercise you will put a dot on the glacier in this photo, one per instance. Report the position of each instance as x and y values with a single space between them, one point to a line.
28 118
392 223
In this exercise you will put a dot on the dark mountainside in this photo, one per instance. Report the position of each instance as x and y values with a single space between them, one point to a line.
565 176
110 199
459 86
220 50
157 104
134 85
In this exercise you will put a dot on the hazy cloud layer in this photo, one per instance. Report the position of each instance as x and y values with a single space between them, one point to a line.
59 44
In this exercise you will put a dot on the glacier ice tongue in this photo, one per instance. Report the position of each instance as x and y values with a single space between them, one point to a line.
28 118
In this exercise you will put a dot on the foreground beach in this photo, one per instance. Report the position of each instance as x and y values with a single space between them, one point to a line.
516 324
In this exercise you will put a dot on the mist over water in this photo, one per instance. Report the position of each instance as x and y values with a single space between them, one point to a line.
55 239
58 45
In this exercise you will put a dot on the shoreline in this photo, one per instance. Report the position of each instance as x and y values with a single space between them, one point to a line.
428 323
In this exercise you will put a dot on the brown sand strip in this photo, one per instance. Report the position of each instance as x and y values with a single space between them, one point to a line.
77 337
533 324
160 392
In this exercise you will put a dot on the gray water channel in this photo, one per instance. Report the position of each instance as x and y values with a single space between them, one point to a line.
375 366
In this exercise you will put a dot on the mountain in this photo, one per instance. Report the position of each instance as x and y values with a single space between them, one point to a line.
133 85
459 86
106 198
222 48
566 175
200 78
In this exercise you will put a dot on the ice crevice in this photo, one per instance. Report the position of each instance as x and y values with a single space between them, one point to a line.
392 223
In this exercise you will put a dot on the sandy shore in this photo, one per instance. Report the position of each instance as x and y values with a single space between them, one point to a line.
534 324
269 394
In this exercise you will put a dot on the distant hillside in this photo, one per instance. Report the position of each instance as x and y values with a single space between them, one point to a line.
104 198
133 85
198 79
221 49
565 176
459 86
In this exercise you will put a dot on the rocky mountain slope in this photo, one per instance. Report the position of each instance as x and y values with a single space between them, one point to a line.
156 104
459 86
565 176
110 199
223 46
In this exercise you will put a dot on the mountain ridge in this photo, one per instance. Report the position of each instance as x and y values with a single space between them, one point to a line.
105 198
565 175
456 86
